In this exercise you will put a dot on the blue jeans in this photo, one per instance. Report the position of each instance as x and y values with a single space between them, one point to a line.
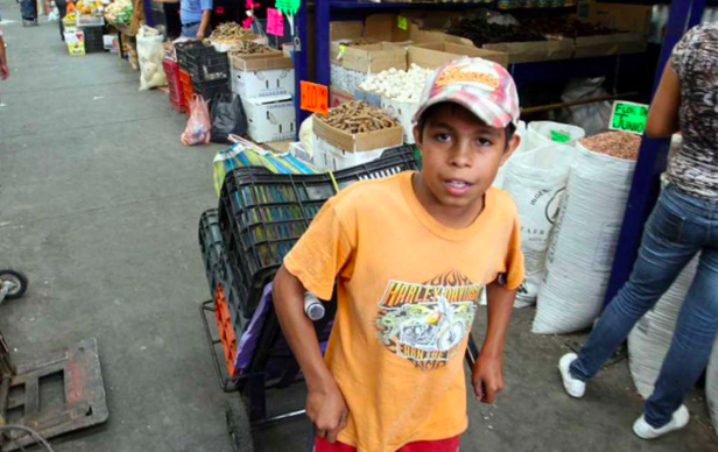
679 227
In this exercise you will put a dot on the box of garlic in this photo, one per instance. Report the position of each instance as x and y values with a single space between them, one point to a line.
399 93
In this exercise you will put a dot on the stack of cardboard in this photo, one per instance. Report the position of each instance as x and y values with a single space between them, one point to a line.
265 83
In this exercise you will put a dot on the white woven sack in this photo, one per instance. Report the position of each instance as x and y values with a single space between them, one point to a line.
540 133
712 386
522 133
583 243
650 339
150 53
536 180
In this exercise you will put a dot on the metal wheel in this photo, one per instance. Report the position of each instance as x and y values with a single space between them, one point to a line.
238 425
18 281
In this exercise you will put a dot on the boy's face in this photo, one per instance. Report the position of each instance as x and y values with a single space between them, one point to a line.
461 155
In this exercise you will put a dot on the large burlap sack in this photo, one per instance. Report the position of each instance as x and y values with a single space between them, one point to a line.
583 243
536 180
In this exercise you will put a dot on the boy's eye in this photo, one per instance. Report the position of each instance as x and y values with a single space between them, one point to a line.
442 137
483 141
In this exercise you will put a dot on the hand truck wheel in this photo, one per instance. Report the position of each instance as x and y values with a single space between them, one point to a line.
18 283
238 425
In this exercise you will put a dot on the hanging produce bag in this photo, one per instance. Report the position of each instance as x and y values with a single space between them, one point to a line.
199 124
150 53
536 180
583 243
651 338
228 117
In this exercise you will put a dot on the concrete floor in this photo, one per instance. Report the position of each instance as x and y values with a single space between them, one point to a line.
99 205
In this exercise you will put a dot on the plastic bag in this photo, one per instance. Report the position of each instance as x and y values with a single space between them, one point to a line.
542 133
536 180
150 52
583 243
593 117
228 117
199 124
651 338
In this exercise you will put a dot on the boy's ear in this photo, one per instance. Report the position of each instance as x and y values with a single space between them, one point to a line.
417 134
512 145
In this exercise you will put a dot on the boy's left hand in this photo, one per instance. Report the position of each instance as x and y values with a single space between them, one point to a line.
487 377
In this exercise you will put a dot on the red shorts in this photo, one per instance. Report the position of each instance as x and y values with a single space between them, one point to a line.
442 445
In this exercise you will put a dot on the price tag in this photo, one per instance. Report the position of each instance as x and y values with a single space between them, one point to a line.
560 137
629 117
314 97
288 6
275 22
402 23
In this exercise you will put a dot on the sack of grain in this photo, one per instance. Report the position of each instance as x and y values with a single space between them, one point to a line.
651 338
541 133
712 386
536 180
522 133
583 242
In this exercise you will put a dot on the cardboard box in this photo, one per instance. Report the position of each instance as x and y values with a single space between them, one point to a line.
270 118
109 42
369 141
352 79
262 76
373 57
368 97
330 157
529 52
337 96
404 113
432 55
630 18
377 27
420 36
75 40
606 45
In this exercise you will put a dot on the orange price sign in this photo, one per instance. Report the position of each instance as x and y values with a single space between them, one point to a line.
314 98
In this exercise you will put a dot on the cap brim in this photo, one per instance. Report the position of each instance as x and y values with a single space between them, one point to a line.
491 114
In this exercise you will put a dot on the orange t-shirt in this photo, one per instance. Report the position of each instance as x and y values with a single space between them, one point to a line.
408 288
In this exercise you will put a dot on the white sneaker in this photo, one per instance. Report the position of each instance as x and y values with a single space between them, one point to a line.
644 430
573 386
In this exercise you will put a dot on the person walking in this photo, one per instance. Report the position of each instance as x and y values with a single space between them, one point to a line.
683 223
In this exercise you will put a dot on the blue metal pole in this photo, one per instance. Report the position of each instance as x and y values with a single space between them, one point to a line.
300 62
652 158
322 12
149 17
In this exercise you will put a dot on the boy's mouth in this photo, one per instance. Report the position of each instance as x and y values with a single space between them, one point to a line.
457 187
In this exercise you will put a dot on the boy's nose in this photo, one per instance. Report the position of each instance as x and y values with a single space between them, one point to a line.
461 155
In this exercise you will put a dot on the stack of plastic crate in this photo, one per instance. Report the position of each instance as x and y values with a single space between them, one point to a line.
208 70
93 38
181 49
176 94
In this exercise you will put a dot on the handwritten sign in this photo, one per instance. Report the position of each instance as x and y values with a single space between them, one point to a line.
314 97
288 6
275 22
629 117
402 23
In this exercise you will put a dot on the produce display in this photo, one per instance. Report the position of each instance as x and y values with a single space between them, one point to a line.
228 33
397 84
88 8
357 42
358 117
567 26
484 29
250 48
621 145
119 13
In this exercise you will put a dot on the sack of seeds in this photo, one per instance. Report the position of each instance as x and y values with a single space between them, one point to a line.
583 243
651 338
542 133
712 386
536 180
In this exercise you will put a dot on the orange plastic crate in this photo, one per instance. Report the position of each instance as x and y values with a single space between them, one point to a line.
227 336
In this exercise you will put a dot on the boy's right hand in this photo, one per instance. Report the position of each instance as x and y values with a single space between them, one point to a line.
328 412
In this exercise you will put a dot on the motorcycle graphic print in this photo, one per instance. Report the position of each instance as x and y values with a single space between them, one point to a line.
425 323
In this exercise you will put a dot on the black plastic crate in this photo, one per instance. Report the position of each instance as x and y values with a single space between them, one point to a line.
206 64
209 89
262 215
181 49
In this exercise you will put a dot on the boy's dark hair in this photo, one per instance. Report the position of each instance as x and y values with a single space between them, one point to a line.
510 129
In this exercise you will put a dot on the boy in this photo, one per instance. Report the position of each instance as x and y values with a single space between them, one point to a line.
410 255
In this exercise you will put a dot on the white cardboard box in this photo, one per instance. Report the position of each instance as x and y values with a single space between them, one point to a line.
330 157
269 83
404 113
270 118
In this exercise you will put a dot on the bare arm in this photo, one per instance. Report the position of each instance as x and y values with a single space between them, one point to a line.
206 14
663 115
487 376
325 404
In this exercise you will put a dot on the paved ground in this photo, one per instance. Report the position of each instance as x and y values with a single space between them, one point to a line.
99 205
